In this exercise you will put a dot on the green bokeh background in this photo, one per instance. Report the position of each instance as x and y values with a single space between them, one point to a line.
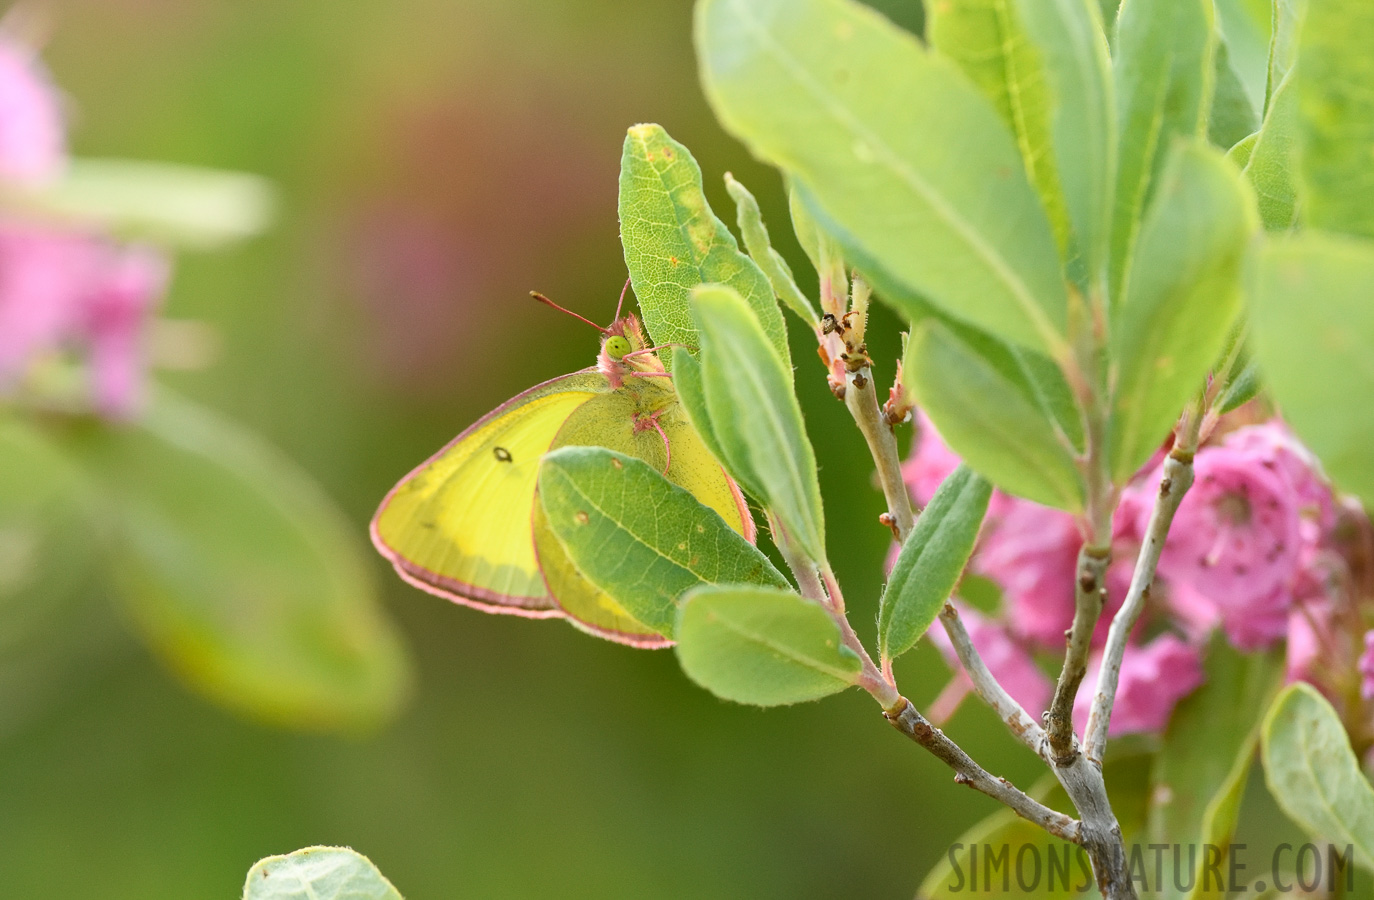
436 161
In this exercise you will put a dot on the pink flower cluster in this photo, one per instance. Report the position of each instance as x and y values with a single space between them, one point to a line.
63 289
1251 553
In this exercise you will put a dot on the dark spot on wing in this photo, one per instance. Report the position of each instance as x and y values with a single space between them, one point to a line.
502 454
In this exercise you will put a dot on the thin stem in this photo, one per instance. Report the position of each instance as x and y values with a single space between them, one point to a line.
1021 724
1089 596
803 569
1178 477
862 401
911 723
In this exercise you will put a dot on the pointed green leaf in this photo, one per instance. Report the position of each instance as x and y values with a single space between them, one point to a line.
1182 296
1247 39
1313 773
240 573
1313 330
984 413
674 242
825 254
639 537
988 42
756 240
1199 776
1271 166
1233 116
931 188
1286 27
932 558
318 873
1335 83
1164 67
1072 44
762 646
755 415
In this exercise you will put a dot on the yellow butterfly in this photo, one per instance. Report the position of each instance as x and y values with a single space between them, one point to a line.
467 523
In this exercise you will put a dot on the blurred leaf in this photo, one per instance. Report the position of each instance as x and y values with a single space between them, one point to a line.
161 202
241 573
825 254
986 417
1313 773
1241 389
761 250
673 242
755 415
1233 116
1283 43
1065 870
317 873
1246 41
639 537
1180 300
1313 330
1270 167
931 189
1335 85
1200 773
1164 62
762 646
988 42
931 560
1072 42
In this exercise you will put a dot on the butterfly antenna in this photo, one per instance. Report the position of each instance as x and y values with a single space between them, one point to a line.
547 302
621 302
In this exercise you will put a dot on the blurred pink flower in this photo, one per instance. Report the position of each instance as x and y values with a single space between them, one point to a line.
1006 659
1367 667
1033 554
930 461
118 311
33 145
1154 677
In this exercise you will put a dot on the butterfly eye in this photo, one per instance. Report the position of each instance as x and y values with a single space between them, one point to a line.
617 346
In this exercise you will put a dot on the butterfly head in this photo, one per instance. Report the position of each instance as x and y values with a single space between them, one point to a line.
624 351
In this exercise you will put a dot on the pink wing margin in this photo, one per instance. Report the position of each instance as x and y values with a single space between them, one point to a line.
450 588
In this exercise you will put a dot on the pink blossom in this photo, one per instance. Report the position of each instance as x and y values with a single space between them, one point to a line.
1235 544
1154 678
1007 660
118 313
1367 667
32 133
1033 554
930 462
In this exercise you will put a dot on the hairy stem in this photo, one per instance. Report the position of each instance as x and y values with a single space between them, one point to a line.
911 723
1089 595
862 401
804 570
1178 477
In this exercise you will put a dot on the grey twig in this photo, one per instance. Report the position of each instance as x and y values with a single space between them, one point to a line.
1021 723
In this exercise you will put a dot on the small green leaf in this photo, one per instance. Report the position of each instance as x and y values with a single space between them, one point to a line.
983 411
1271 164
639 537
988 42
1241 389
755 415
1335 83
1073 46
240 573
674 242
1286 19
318 873
1199 775
760 248
156 201
1246 39
1164 64
931 561
932 188
825 254
1313 773
1181 298
1312 326
1233 115
762 646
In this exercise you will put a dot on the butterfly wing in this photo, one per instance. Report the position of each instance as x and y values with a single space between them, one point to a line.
459 524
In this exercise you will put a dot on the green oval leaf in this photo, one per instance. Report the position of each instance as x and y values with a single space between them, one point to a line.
318 873
639 537
1313 331
755 415
240 573
932 188
1335 83
1313 773
985 414
762 646
673 242
1271 165
931 560
1181 298
756 241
